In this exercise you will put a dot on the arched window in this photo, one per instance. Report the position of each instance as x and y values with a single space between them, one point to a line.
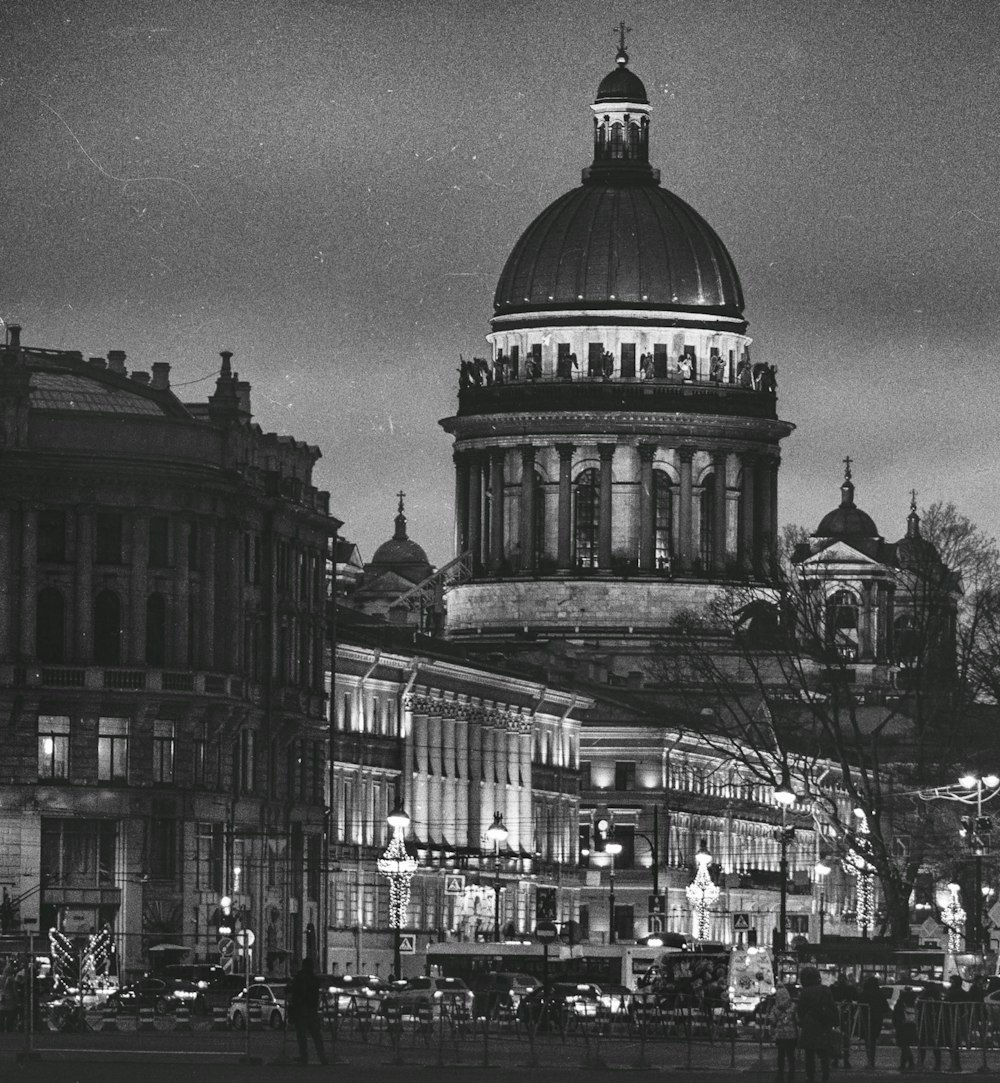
842 623
587 513
707 531
538 501
156 630
107 629
617 150
663 519
50 625
633 140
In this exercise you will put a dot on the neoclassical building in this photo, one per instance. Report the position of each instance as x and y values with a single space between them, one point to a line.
162 626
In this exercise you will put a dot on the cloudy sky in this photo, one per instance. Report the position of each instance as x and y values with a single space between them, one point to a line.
330 190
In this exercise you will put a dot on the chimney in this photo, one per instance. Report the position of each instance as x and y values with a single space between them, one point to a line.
14 336
243 395
116 362
140 377
161 375
97 362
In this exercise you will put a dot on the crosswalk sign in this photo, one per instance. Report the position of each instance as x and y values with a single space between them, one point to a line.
407 944
454 884
741 923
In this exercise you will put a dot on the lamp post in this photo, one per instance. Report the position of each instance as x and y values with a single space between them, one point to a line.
975 838
822 870
784 795
613 849
701 892
498 833
398 868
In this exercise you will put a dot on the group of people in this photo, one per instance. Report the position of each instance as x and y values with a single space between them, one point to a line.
813 1022
479 372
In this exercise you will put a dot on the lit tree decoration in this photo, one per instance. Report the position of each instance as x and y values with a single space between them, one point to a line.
65 965
858 864
953 915
398 868
701 892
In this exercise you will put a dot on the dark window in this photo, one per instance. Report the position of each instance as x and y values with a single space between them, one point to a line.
318 774
587 509
159 541
616 141
50 626
660 360
314 866
842 623
209 857
112 750
78 853
595 355
109 538
163 751
107 629
624 922
538 500
628 360
663 519
633 140
52 535
162 849
563 364
53 746
515 358
585 777
156 630
625 775
202 774
625 837
707 532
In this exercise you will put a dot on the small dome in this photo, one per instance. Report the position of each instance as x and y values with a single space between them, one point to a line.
913 550
847 521
400 554
621 85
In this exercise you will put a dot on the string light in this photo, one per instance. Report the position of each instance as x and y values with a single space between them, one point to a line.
953 915
702 893
398 867
857 863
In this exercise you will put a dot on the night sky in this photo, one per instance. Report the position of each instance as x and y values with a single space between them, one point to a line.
330 191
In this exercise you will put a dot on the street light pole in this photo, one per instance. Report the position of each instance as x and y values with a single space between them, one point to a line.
498 832
974 943
612 848
785 797
398 868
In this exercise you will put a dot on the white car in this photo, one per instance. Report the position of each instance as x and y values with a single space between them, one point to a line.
435 993
270 996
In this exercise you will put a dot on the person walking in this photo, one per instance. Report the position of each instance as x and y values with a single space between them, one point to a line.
817 1015
785 1027
928 1018
303 1011
874 1007
955 1008
904 1022
845 996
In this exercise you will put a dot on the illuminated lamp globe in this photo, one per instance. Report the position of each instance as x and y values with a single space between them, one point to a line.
398 818
497 832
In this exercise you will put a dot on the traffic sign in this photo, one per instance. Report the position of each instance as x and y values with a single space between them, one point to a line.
994 913
454 884
245 938
407 944
657 904
741 923
227 946
545 931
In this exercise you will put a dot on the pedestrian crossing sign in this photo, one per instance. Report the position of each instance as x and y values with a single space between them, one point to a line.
407 944
741 923
454 884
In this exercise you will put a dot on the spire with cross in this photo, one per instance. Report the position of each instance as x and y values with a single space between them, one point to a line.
621 30
400 534
847 467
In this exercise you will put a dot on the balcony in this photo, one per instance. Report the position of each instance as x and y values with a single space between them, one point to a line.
551 393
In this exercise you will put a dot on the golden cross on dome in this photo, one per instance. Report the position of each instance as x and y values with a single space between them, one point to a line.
913 500
621 30
400 494
847 467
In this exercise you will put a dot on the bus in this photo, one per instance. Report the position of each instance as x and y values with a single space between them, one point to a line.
608 964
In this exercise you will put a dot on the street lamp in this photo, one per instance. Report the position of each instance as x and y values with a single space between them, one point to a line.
613 848
398 868
498 833
822 870
784 795
975 840
701 892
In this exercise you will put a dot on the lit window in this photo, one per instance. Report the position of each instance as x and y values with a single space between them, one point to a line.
112 750
163 751
53 746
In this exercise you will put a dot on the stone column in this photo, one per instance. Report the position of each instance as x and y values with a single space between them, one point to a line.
748 534
475 511
765 510
606 452
449 819
408 774
474 798
496 509
182 587
564 554
686 455
135 643
524 783
207 600
510 808
421 803
647 509
461 502
435 777
29 579
527 508
84 617
719 460
865 637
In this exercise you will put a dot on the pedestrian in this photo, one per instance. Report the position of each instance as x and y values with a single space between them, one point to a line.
303 1010
873 1011
904 1022
785 1027
817 1015
928 1019
845 996
954 1016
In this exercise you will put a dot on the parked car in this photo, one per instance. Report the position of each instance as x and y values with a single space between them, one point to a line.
564 999
349 991
615 999
270 996
204 975
504 988
435 993
163 995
